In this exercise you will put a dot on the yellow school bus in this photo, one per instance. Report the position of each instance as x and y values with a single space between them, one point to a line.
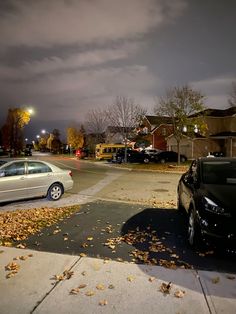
106 151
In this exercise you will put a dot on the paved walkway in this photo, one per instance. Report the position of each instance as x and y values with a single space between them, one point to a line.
92 285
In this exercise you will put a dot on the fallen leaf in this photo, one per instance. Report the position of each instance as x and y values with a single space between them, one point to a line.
103 302
151 279
165 288
230 277
67 274
83 255
23 258
130 278
90 293
21 246
179 293
11 274
215 280
111 286
90 238
82 286
100 287
74 291
12 266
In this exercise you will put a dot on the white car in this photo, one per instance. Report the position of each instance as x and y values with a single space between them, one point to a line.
22 179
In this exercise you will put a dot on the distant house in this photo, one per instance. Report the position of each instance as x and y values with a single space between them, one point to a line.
155 130
220 137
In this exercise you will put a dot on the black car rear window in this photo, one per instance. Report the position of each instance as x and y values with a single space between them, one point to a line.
219 172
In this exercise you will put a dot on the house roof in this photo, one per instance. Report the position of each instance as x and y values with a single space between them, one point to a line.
216 112
157 120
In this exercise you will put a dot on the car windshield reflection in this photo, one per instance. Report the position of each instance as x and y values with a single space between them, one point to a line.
222 172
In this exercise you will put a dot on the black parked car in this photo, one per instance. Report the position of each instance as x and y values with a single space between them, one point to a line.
169 156
28 151
132 156
207 192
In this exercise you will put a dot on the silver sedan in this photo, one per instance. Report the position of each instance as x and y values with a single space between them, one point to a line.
22 179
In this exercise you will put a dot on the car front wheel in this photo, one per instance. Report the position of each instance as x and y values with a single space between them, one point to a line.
55 192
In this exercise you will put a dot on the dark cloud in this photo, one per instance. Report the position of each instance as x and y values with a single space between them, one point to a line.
66 57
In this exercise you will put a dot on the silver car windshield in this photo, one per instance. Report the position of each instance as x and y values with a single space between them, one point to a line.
219 172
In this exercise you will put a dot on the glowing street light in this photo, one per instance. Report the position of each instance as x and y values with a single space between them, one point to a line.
30 111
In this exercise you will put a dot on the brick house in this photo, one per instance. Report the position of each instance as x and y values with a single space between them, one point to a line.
155 130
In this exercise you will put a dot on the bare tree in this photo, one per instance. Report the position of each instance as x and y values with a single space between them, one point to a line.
232 96
181 105
96 123
125 115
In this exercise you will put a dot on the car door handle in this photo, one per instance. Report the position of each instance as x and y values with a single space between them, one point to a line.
22 178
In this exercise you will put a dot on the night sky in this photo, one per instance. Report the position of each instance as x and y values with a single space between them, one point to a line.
65 57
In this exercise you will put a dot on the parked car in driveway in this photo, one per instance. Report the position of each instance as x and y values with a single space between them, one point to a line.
169 156
152 152
132 156
207 192
23 179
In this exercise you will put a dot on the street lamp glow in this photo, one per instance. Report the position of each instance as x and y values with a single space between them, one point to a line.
43 131
38 136
30 111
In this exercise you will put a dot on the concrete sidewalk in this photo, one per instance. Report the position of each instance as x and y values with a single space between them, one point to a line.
107 286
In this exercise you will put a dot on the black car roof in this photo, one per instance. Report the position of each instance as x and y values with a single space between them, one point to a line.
216 159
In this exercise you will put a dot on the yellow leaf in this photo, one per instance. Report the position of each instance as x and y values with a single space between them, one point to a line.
215 280
90 293
179 293
130 278
151 279
100 287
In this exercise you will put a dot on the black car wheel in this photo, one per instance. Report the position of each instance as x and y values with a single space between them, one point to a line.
146 160
194 234
182 159
162 160
55 192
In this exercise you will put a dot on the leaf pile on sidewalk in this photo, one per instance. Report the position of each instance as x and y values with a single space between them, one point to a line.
20 224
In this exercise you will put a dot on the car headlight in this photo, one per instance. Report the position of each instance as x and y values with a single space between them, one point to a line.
214 208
